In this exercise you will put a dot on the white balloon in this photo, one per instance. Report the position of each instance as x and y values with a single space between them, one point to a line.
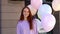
39 26
33 10
48 22
56 5
44 9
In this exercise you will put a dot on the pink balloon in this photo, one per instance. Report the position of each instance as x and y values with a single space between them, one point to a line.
33 10
48 22
36 3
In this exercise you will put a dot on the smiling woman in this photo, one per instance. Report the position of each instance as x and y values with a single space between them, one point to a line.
26 23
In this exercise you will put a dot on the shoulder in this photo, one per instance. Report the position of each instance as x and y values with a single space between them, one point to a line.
19 23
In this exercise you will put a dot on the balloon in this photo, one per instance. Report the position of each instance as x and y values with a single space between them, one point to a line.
44 9
39 26
36 3
33 11
56 5
48 22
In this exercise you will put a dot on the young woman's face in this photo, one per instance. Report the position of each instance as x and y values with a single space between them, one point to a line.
26 12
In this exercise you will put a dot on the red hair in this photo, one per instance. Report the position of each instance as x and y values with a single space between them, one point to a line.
29 18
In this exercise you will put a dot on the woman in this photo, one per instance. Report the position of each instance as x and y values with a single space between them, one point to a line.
26 24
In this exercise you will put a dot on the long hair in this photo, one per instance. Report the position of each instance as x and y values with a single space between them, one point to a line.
29 18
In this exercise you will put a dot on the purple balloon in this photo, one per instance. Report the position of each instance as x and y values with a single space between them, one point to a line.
48 22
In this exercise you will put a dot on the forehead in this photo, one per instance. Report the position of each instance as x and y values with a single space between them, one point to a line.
26 9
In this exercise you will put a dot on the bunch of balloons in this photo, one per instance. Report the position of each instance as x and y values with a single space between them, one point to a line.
44 13
47 19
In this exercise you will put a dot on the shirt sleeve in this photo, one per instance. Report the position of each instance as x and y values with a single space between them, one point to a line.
19 28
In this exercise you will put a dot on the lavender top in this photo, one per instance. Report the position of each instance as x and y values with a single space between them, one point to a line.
23 27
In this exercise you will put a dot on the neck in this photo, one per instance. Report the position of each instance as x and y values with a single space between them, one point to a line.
25 18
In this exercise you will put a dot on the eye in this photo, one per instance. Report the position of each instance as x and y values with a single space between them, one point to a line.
24 11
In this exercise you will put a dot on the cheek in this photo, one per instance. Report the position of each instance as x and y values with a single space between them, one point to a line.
23 13
28 14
